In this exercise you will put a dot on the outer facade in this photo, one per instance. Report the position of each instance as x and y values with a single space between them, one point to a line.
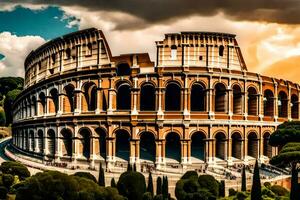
197 105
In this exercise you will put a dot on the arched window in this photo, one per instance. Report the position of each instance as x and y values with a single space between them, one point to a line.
51 143
147 146
89 50
34 105
268 103
123 69
42 103
90 97
220 98
198 146
237 99
67 142
124 97
102 142
85 142
173 97
198 96
68 53
147 101
221 50
267 147
220 139
173 147
252 101
41 141
53 106
122 144
295 106
236 145
282 104
69 99
253 145
32 139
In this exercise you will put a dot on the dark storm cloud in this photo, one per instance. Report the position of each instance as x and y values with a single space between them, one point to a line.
156 11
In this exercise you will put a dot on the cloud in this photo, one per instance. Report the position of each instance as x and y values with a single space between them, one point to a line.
157 11
15 50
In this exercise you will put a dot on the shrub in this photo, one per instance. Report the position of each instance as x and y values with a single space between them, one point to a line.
210 183
113 183
7 180
222 188
86 175
158 186
3 192
279 190
267 184
267 192
2 117
132 185
232 192
147 196
158 197
241 195
190 174
15 168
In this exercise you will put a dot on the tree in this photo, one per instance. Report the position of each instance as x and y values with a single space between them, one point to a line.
2 117
86 175
7 180
256 185
134 167
15 168
158 186
113 183
8 103
129 167
150 184
165 187
132 185
294 195
244 186
222 188
101 178
210 183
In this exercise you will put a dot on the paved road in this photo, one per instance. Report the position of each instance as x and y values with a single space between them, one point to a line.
3 144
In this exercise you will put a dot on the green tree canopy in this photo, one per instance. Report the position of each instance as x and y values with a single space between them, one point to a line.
8 103
15 168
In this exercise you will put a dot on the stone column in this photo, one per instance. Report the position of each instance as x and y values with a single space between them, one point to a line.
276 102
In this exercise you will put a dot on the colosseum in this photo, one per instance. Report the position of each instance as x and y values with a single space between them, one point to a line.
197 104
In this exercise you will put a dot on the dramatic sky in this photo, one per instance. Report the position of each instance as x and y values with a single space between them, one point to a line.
268 31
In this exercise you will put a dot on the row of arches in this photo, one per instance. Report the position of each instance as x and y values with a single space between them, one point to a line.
88 145
173 99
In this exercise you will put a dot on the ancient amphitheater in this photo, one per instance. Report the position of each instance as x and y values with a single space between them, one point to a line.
196 105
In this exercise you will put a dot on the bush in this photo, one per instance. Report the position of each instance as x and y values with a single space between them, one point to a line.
2 117
279 190
132 185
7 180
158 197
3 192
15 168
267 184
86 175
190 174
232 192
267 193
241 195
210 183
147 196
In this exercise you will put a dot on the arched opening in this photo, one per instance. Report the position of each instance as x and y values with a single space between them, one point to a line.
198 145
267 151
221 50
123 69
124 97
268 103
295 106
252 101
198 97
147 101
252 145
26 140
85 142
41 141
220 98
173 97
220 140
42 103
67 142
173 52
173 147
237 99
90 97
32 143
101 142
147 146
53 105
236 145
51 143
69 99
34 105
282 104
123 144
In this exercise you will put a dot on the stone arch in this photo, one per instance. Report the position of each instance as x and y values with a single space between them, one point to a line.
101 142
40 135
252 144
267 148
198 97
89 101
85 135
236 145
252 101
147 146
220 98
220 141
282 104
122 144
147 97
31 140
268 103
42 103
173 97
294 106
53 104
34 105
123 69
237 99
124 97
173 147
67 142
198 145
51 142
69 98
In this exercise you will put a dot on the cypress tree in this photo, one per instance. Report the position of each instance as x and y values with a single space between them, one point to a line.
244 186
256 185
158 186
113 183
165 189
222 188
150 184
134 167
294 195
101 178
129 167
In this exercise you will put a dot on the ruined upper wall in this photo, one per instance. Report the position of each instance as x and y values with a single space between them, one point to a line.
205 49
